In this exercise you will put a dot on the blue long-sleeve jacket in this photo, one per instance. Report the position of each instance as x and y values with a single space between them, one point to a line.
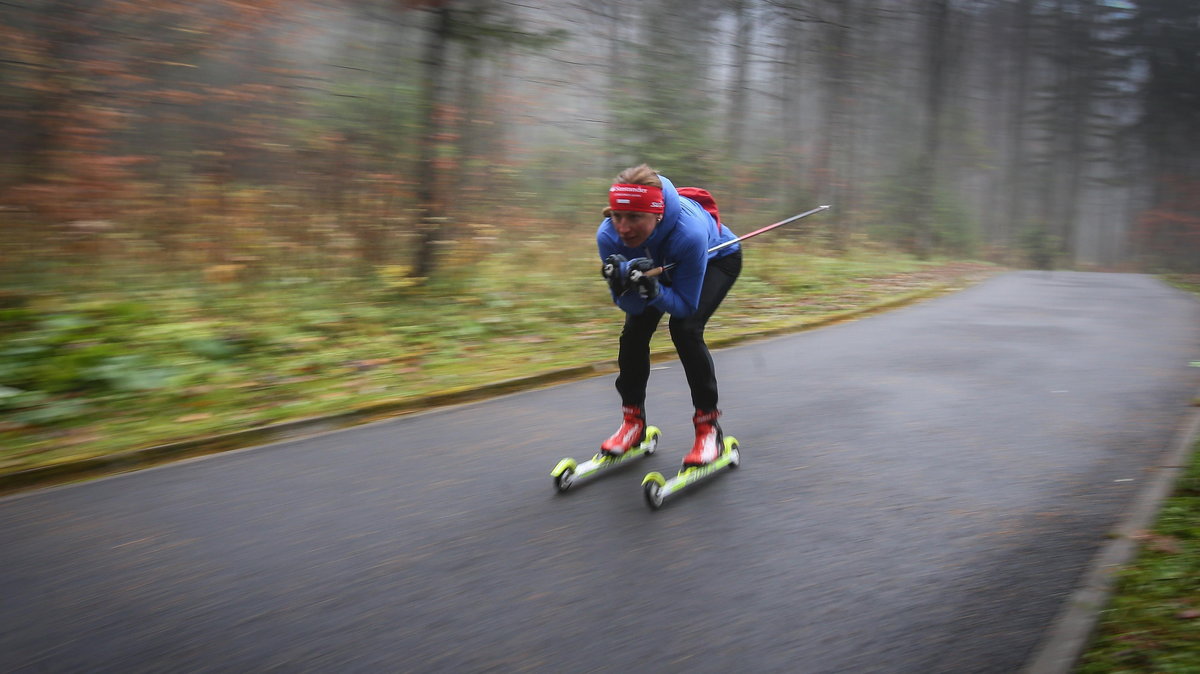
684 237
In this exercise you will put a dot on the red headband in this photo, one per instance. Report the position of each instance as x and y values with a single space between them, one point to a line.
644 198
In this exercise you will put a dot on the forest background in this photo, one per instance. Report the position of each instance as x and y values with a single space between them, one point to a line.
216 214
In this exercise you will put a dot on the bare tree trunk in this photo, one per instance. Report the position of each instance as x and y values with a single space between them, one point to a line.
832 146
937 21
612 9
736 123
472 110
431 201
1017 102
57 23
994 91
790 114
1076 123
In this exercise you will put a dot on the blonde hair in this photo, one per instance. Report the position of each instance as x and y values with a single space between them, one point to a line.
635 175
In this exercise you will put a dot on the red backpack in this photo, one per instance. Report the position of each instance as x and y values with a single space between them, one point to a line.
705 199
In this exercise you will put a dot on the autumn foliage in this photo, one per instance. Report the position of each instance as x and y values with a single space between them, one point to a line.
357 135
1170 231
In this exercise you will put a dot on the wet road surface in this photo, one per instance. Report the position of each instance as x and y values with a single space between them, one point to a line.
919 492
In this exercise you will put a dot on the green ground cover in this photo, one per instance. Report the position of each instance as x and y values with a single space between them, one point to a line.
1152 623
104 359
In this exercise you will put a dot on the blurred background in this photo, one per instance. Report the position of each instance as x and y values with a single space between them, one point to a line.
246 211
215 131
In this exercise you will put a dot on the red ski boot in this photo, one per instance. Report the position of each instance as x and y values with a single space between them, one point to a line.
709 439
630 434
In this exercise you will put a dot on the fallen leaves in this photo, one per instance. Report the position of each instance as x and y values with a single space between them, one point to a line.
1158 543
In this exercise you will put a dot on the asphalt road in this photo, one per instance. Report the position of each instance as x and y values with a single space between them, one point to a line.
919 492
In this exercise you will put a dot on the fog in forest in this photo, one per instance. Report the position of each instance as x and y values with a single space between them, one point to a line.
1034 133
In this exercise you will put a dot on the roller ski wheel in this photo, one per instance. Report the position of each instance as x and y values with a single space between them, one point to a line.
657 489
568 472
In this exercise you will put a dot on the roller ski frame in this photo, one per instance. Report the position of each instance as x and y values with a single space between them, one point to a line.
657 488
569 473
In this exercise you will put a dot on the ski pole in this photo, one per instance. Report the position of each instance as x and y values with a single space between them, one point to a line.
818 209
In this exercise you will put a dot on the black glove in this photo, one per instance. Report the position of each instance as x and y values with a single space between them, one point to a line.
615 270
647 286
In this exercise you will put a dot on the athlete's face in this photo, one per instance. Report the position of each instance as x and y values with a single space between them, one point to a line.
634 227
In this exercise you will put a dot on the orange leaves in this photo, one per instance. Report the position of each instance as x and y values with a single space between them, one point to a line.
1171 230
177 97
1161 219
1168 545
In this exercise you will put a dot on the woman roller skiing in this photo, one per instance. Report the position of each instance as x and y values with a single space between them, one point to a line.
649 224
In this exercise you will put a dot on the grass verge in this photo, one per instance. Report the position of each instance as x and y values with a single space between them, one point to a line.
1152 623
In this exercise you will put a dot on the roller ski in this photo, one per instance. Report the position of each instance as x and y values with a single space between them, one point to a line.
712 453
633 440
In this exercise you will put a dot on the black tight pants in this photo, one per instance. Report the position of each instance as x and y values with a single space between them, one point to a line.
688 335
